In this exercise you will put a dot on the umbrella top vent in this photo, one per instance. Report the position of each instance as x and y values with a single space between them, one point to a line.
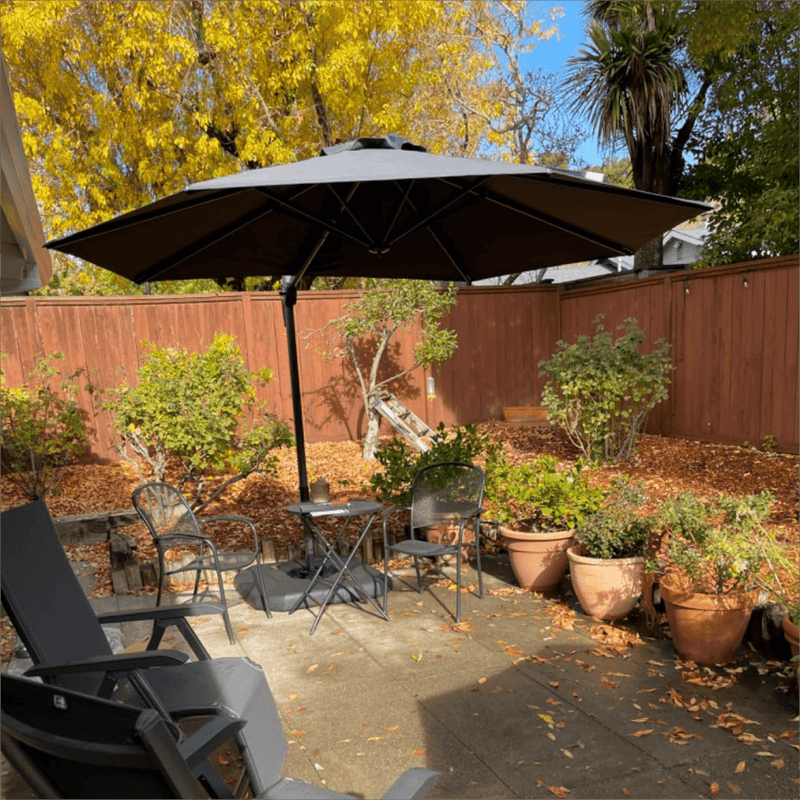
391 141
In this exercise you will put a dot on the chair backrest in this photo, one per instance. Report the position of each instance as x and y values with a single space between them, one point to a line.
67 744
43 598
448 492
165 510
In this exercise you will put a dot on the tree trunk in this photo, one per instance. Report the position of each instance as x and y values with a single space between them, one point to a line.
650 255
371 437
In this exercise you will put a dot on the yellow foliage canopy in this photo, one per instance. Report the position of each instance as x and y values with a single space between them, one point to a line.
121 103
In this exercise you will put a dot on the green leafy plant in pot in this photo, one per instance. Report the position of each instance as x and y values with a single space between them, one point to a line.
713 562
607 561
538 507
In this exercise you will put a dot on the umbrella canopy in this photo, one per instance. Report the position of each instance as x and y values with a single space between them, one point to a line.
379 207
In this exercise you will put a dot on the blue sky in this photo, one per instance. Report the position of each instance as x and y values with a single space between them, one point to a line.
552 54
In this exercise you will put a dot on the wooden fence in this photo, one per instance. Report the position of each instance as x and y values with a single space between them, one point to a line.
734 332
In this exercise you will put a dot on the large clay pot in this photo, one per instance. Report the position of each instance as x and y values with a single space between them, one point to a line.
706 628
539 560
790 631
607 588
447 533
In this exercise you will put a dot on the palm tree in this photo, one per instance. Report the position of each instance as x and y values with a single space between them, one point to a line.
629 80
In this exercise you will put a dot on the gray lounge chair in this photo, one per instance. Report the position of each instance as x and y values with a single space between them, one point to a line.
71 745
65 640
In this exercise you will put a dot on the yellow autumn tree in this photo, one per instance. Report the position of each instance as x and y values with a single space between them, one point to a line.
121 103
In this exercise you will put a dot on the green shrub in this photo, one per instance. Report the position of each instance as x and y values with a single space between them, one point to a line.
618 529
600 391
400 463
43 431
538 496
195 407
717 544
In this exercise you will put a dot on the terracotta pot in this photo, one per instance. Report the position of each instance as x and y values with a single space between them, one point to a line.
790 631
706 628
539 560
607 588
535 414
448 534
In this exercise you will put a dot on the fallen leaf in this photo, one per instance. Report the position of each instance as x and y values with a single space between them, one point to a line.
312 668
713 788
778 763
641 733
735 788
558 791
419 752
567 753
740 768
547 718
223 761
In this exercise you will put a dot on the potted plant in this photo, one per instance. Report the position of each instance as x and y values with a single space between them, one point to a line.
538 507
713 564
608 559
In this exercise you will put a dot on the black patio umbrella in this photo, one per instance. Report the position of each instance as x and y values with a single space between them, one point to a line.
376 207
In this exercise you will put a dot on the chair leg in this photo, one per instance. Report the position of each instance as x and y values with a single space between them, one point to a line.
161 577
419 576
478 564
458 587
196 585
224 603
261 589
385 578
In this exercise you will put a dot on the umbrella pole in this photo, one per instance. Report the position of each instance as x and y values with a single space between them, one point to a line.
289 298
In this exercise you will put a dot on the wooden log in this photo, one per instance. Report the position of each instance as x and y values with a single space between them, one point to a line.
119 581
133 575
268 551
149 573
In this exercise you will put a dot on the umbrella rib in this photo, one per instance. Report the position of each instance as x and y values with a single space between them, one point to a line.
453 260
301 212
552 221
441 209
345 206
124 220
197 247
400 207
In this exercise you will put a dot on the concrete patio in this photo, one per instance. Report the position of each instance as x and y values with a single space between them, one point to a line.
525 698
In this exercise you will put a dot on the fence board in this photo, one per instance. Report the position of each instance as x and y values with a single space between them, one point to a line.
734 349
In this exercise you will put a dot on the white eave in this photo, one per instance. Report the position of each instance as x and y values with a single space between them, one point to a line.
24 263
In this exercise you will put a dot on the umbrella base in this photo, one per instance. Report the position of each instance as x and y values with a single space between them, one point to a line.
286 581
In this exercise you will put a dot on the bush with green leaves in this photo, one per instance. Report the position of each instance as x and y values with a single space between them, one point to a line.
718 545
600 390
539 496
200 408
43 430
465 443
618 529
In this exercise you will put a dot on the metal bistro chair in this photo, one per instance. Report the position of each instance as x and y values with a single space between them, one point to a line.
171 521
449 493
